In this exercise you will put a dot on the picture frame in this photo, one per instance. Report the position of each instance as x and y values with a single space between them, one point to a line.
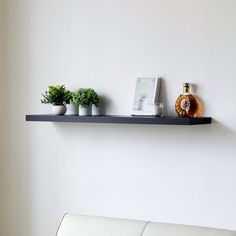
147 94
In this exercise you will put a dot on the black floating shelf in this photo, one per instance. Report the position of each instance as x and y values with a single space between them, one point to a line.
166 120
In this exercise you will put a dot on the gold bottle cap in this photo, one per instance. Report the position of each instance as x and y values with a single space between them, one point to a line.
186 87
186 84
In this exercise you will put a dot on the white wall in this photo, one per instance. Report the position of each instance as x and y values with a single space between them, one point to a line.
3 115
164 173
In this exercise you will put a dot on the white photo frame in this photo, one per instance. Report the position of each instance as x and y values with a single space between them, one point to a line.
147 93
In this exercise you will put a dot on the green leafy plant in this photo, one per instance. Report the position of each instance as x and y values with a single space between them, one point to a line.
96 98
56 95
85 97
70 97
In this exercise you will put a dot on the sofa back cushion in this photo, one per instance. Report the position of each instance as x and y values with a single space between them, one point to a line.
76 225
160 229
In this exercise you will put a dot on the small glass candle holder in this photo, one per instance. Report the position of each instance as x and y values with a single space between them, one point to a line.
158 109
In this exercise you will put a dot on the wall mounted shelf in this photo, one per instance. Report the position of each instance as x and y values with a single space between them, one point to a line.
167 120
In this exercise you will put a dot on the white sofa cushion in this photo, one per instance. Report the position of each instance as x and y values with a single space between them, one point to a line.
76 225
160 229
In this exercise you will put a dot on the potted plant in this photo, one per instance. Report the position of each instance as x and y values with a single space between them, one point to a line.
84 98
58 96
96 104
72 109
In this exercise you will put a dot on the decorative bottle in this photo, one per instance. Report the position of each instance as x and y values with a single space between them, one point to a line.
186 104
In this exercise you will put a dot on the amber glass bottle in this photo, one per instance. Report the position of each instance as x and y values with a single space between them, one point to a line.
186 104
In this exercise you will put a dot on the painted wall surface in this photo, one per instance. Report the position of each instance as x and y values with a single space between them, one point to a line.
162 173
3 125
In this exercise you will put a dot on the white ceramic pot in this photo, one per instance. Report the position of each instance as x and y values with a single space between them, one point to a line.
96 111
59 110
72 109
85 111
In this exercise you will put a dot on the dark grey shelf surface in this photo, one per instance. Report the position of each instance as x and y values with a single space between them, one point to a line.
166 120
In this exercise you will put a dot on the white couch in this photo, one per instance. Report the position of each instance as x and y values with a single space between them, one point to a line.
77 225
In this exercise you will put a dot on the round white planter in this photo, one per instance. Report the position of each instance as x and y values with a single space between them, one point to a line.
85 111
72 109
59 110
96 111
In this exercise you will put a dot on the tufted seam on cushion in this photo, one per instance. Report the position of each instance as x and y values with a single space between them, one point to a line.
61 223
145 226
